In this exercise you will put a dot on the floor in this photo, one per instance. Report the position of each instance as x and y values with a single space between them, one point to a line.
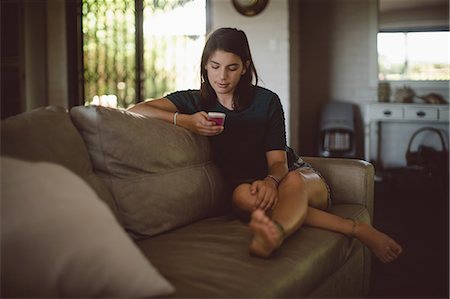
412 207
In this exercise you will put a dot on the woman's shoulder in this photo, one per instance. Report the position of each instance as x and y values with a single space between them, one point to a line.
188 95
187 101
265 95
264 92
185 93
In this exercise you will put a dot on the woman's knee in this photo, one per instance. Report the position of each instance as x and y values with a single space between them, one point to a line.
242 198
294 179
318 194
311 185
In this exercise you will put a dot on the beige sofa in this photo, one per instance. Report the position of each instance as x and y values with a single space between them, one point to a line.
101 202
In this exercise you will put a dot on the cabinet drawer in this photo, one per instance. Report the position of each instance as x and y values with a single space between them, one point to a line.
421 113
385 112
443 114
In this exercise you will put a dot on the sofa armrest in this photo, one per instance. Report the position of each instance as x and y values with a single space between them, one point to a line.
350 180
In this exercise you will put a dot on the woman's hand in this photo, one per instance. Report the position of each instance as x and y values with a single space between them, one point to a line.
199 124
266 193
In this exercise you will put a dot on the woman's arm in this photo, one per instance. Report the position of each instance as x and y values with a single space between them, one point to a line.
277 164
162 109
266 190
165 110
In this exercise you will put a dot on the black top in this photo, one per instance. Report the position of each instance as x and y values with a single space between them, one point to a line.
240 149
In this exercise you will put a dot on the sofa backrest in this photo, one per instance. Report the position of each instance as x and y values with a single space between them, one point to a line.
48 134
161 176
154 176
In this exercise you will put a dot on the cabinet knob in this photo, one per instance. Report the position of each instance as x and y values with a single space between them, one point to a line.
421 113
387 112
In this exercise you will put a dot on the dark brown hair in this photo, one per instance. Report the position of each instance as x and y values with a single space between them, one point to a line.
233 41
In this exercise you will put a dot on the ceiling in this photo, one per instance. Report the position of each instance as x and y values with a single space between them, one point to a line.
389 5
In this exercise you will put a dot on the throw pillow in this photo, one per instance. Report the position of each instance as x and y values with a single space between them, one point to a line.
58 239
161 176
48 134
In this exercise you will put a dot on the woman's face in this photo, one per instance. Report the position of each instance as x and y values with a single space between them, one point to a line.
224 72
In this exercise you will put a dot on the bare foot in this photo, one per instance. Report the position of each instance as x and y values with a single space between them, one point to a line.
383 246
267 236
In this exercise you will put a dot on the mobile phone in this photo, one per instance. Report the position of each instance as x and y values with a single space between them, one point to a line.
217 117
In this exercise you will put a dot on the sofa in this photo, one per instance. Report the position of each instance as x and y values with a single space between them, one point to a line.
102 202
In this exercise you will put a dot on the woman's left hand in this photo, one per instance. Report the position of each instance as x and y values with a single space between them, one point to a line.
266 194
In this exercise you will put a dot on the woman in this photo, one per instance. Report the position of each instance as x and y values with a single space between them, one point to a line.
267 180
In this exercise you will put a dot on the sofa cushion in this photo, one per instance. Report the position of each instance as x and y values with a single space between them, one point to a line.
306 259
161 176
58 239
47 134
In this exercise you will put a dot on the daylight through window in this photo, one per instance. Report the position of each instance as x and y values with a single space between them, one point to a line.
415 56
168 59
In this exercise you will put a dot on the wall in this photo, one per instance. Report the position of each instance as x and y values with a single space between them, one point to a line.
57 82
425 16
44 61
268 35
353 57
12 55
337 61
34 64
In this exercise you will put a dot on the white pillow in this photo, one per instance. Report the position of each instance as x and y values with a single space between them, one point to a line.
58 239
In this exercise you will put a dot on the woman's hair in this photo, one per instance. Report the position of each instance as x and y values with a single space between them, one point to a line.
233 41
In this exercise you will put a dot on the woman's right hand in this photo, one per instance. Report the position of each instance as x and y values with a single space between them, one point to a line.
199 124
266 194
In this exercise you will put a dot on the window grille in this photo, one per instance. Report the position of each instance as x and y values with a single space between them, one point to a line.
129 55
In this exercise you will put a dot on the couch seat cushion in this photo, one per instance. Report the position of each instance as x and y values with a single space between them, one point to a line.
210 259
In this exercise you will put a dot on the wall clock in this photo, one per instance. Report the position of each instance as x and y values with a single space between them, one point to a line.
250 7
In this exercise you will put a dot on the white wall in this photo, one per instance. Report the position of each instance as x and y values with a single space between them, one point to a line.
353 63
268 35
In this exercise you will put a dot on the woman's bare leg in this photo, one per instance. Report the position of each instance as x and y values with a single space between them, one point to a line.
384 247
295 193
302 198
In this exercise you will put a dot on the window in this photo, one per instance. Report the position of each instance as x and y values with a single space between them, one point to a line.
135 50
173 44
417 56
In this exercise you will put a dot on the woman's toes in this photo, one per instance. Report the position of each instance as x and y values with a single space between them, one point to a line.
266 236
383 246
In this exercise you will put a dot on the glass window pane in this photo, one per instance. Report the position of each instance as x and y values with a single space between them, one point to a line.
172 52
391 56
109 52
427 55
413 56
